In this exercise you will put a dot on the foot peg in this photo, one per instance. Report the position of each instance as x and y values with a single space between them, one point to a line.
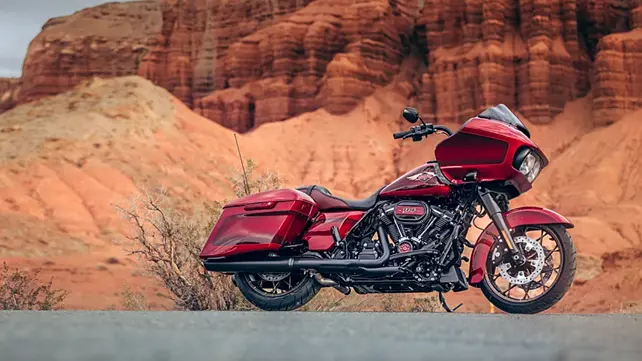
343 289
442 300
468 244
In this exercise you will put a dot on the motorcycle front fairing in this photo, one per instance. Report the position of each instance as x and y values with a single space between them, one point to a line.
488 148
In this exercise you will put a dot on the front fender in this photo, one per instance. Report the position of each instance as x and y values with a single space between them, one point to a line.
514 218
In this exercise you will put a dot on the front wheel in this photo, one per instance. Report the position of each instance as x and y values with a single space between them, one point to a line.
541 281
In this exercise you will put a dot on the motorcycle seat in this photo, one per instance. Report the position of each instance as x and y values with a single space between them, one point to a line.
329 202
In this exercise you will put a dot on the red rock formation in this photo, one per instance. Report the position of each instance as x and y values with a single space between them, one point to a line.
243 63
485 52
8 93
107 40
618 82
190 57
330 54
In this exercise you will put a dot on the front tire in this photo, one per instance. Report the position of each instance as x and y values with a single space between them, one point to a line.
277 292
518 278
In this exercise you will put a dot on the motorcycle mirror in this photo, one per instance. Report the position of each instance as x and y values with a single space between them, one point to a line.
410 114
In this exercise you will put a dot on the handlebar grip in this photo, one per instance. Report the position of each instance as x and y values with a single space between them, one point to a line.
401 134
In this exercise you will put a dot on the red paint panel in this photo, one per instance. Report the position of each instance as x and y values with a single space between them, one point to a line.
419 182
514 218
319 236
466 149
260 222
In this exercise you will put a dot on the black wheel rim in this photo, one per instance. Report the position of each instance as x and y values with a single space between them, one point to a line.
541 283
275 284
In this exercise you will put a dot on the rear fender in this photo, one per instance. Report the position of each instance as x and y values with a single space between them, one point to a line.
514 218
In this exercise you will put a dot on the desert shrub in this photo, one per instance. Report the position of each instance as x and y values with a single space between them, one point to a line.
132 300
255 183
21 290
168 241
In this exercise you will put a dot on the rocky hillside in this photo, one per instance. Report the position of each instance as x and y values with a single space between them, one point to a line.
107 40
243 63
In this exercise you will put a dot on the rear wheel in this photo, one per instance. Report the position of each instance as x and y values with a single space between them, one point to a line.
541 281
277 291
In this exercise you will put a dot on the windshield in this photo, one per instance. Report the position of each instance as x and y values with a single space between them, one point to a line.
503 114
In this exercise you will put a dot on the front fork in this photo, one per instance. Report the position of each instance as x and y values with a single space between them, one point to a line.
495 214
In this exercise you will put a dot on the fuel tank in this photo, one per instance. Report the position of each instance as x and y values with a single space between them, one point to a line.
423 181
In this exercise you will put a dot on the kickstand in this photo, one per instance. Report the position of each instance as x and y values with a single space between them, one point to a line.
442 300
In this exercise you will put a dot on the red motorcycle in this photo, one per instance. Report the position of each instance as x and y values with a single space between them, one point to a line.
283 245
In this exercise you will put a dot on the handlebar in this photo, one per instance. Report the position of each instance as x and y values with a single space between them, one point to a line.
444 129
420 131
402 134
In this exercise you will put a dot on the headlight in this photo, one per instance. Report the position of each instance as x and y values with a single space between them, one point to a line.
530 166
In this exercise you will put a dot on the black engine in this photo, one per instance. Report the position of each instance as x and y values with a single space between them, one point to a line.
423 232
415 225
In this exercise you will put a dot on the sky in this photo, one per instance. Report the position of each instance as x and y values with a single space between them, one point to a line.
21 21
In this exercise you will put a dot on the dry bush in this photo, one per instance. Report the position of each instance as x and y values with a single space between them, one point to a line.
23 291
133 300
168 242
255 184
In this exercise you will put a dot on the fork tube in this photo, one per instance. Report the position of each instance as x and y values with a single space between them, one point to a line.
495 214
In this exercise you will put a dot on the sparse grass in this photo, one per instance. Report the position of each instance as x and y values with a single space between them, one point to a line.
133 300
425 304
256 183
631 308
21 290
329 300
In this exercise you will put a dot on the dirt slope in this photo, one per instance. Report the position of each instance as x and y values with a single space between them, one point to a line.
65 160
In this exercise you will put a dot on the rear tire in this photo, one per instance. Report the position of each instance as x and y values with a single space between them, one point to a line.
296 297
551 296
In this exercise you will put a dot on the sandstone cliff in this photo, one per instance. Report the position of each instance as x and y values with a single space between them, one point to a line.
107 40
243 63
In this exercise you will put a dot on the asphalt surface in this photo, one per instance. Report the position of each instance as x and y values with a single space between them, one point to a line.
230 336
